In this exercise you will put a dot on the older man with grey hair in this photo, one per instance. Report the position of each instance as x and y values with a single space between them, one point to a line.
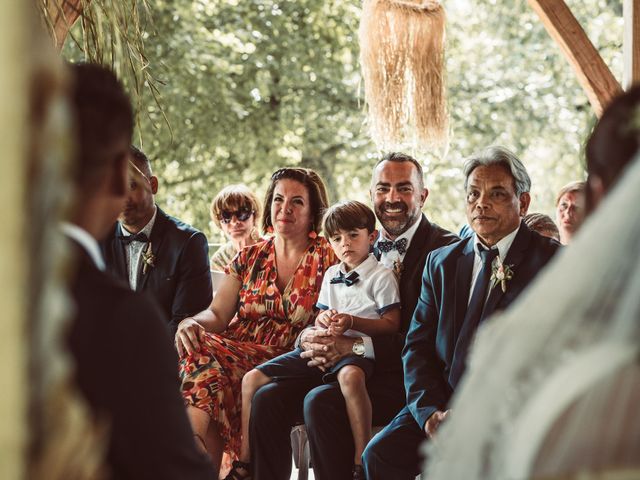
462 285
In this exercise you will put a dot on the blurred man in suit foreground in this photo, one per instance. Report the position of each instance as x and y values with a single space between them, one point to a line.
125 364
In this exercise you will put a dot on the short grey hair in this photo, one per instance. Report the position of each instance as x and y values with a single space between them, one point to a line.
497 155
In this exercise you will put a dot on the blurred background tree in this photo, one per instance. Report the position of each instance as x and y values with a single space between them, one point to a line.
249 86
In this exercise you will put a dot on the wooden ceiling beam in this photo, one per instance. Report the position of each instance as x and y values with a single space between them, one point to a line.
63 14
593 74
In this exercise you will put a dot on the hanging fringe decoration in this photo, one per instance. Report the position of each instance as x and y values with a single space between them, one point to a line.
402 58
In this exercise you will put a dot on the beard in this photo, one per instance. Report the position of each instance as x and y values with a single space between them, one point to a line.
397 223
128 217
136 215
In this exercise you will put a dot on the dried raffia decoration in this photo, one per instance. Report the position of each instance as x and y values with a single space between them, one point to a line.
402 58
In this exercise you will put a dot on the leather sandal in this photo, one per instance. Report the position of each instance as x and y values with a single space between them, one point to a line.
234 473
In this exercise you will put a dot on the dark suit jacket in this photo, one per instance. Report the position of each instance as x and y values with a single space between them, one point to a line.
430 344
180 282
127 370
428 237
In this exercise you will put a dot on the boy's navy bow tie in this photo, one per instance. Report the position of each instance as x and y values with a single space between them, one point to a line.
138 237
386 246
348 280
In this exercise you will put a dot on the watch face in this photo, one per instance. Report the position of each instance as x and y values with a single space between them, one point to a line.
358 348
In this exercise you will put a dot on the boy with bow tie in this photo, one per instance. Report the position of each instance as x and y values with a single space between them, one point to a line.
359 297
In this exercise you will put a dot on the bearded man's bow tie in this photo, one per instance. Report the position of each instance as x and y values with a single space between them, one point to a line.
348 279
385 246
138 237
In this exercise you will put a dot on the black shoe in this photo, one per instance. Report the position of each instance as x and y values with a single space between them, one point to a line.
358 472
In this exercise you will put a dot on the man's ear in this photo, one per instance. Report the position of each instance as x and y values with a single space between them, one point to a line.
423 196
153 181
525 200
372 237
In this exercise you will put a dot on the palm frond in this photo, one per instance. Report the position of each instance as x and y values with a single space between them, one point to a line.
112 33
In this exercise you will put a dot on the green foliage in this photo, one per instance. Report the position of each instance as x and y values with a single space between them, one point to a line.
252 85
509 84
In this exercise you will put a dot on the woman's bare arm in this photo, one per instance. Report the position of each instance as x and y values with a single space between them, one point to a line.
214 319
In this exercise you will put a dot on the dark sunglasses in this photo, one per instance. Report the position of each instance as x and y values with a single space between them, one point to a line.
242 215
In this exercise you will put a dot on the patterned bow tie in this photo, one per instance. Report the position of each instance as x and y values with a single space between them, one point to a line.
138 237
385 246
348 280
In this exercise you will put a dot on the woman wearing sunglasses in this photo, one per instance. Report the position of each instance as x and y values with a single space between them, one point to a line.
236 211
264 301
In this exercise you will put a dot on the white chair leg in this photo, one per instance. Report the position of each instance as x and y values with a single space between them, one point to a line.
300 448
303 470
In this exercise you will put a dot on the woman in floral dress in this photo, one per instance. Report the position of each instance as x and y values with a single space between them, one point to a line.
264 301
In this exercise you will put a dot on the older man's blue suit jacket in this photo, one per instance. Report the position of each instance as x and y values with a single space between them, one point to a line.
429 350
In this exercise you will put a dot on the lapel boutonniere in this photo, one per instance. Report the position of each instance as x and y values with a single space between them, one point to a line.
398 267
500 274
148 259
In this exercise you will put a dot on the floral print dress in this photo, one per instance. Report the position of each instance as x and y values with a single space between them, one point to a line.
266 325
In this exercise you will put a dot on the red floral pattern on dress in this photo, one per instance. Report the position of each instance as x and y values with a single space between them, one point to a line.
266 325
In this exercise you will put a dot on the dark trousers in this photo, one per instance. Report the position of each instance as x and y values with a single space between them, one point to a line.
394 452
279 405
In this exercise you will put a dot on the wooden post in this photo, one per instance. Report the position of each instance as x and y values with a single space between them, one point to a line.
593 74
14 31
631 42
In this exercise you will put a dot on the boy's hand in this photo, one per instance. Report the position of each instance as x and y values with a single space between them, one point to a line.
324 318
340 323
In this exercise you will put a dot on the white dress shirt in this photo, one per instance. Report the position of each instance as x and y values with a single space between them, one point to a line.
134 249
375 292
86 241
503 247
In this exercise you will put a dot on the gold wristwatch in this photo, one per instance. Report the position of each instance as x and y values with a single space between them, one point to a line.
358 347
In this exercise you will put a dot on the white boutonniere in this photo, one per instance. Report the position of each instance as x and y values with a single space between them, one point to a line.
148 259
500 274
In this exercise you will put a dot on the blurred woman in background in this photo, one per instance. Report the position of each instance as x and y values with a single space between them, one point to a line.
570 204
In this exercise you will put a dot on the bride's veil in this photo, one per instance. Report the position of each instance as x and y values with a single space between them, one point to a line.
552 384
